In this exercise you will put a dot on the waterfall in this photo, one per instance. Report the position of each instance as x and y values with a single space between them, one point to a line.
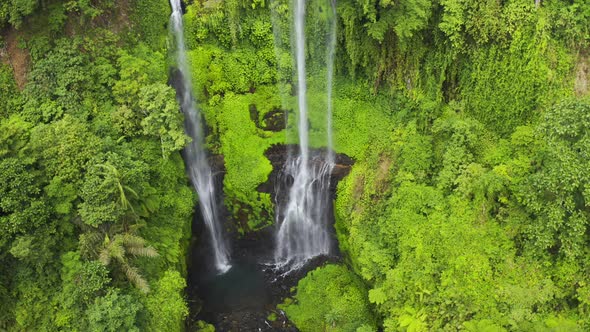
330 79
303 231
303 221
195 153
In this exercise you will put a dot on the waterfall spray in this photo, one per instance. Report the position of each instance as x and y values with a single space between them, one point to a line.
303 222
195 154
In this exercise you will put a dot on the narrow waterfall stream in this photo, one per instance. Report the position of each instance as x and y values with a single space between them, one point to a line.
330 79
195 153
303 221
303 232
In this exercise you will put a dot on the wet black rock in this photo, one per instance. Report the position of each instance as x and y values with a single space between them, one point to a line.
279 153
274 120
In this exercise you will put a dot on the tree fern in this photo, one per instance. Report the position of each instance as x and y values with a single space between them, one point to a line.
133 275
118 250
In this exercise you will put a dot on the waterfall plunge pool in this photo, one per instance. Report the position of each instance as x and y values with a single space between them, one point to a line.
243 298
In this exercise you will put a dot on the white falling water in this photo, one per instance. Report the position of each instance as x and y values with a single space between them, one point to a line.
195 154
303 231
303 222
330 79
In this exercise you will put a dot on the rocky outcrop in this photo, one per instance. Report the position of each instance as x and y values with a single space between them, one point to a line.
278 155
274 120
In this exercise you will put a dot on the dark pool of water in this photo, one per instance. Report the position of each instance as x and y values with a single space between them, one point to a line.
242 298
243 287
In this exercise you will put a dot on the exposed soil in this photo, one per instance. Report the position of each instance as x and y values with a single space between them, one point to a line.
581 86
115 19
357 192
19 59
383 173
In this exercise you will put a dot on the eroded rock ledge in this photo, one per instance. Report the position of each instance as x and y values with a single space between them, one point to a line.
279 153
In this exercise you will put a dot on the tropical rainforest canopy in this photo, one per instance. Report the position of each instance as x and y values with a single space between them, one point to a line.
467 207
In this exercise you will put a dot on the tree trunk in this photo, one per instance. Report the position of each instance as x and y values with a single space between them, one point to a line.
537 3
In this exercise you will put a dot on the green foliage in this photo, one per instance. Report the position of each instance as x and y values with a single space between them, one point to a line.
243 145
86 7
57 83
104 193
405 18
358 118
557 192
444 238
478 21
113 312
7 91
136 70
239 71
166 303
162 117
21 208
83 282
86 199
64 148
150 18
13 11
569 19
466 209
525 78
168 230
140 94
331 298
119 248
204 327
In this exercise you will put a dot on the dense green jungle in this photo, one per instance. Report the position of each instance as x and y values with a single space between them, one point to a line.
466 208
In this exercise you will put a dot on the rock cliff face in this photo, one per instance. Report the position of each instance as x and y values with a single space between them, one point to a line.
278 154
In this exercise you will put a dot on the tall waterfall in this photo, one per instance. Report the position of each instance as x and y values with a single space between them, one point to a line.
330 79
303 222
195 154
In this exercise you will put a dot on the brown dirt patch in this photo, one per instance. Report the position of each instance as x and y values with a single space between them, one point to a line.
581 86
19 59
358 188
123 20
382 177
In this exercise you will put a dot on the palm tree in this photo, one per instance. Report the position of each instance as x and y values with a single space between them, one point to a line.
113 246
117 250
113 178
114 243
